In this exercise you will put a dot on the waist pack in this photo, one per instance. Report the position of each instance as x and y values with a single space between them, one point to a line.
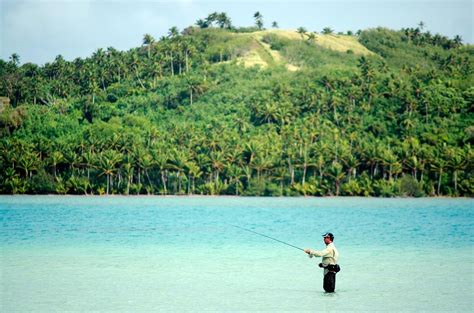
331 267
334 268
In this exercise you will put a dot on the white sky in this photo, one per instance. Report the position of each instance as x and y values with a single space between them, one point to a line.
39 30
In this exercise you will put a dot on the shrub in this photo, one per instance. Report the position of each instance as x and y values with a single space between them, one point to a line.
410 187
42 182
385 188
275 41
255 188
308 189
272 189
112 97
351 188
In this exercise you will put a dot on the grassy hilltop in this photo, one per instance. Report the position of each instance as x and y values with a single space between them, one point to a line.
215 109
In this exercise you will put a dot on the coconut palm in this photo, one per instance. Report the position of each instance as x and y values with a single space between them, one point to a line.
178 162
421 25
223 20
56 158
328 31
148 40
258 20
107 164
234 172
202 23
29 161
15 59
194 173
160 159
457 163
337 174
302 31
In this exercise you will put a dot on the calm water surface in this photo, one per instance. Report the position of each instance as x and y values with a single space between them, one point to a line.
179 254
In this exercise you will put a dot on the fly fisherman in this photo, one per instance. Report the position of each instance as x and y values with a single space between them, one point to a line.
329 262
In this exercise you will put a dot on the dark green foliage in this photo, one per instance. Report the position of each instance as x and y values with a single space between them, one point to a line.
250 29
180 116
276 42
409 187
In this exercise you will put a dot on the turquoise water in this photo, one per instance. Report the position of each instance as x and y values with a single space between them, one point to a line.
179 254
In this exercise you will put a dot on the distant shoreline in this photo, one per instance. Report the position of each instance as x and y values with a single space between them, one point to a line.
225 196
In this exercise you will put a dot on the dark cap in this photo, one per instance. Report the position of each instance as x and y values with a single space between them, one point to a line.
329 235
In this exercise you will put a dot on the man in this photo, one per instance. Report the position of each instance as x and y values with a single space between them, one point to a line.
330 256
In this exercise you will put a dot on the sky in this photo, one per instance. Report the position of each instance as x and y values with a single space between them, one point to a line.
39 30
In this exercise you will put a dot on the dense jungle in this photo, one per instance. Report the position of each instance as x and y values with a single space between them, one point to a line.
216 109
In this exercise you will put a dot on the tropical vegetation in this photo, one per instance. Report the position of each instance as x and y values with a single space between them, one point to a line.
186 115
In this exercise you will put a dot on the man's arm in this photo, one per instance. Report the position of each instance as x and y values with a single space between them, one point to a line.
322 253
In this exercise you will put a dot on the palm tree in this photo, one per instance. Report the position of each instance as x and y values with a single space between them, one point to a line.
351 163
211 18
421 25
457 163
29 161
366 69
107 164
189 50
258 20
279 173
12 180
269 112
202 23
15 59
196 86
88 158
388 158
285 112
128 171
173 32
170 48
56 158
178 162
261 163
234 172
328 31
217 163
194 172
438 165
302 31
457 41
251 149
145 162
223 20
160 159
337 174
148 40
136 65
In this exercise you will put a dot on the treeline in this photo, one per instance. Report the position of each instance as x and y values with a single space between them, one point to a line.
179 115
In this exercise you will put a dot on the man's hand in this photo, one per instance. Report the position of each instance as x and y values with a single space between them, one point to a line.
308 251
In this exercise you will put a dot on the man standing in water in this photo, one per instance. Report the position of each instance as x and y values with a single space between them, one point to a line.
330 256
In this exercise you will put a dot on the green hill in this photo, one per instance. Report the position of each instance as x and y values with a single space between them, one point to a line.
243 111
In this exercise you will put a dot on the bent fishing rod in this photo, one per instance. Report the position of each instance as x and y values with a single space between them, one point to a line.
249 230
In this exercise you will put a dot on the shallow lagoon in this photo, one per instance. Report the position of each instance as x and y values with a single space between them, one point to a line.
180 254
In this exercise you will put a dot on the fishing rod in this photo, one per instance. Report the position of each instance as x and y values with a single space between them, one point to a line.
249 230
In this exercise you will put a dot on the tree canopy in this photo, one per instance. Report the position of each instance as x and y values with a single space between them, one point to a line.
181 115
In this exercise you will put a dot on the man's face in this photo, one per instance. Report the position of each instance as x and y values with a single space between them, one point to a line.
327 240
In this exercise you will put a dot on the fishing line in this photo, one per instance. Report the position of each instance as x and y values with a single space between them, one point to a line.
249 230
